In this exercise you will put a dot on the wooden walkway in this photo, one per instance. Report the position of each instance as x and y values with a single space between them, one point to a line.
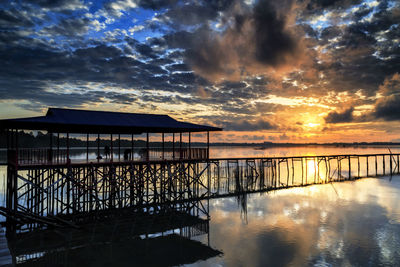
65 193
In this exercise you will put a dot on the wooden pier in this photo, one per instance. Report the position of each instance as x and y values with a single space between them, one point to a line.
46 188
73 193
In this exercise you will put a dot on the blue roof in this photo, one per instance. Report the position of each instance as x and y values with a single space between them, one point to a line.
89 121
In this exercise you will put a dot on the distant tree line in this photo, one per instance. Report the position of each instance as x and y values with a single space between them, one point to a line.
28 140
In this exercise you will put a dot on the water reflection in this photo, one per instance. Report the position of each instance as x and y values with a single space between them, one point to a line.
162 238
359 225
340 224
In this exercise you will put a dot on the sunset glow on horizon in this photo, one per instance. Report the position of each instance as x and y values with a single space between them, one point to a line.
264 70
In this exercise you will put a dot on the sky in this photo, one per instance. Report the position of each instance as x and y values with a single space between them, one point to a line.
264 70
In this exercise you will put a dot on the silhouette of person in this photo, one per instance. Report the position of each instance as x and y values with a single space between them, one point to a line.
107 151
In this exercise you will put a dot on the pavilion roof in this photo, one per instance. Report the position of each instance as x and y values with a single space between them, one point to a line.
103 122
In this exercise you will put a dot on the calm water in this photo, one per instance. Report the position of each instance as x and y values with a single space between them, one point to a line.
340 224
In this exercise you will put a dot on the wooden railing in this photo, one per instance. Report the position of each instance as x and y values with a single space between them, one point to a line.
33 156
184 153
28 156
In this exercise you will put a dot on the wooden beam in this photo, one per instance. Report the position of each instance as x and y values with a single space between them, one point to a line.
132 147
190 150
163 149
180 145
208 144
173 145
68 161
87 147
111 152
147 147
98 147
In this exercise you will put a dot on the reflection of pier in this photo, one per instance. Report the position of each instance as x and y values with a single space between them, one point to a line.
247 175
158 238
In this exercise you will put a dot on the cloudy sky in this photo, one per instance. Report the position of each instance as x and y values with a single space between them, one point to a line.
264 70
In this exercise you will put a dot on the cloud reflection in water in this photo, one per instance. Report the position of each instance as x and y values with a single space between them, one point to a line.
358 226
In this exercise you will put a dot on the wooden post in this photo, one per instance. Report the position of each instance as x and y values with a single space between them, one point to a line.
383 163
190 151
132 153
58 147
367 165
15 175
111 150
173 145
315 169
8 138
208 144
287 169
398 164
162 145
119 147
306 169
51 148
98 147
87 147
68 161
180 145
16 147
147 147
349 167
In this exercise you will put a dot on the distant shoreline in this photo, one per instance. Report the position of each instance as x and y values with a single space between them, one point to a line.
254 145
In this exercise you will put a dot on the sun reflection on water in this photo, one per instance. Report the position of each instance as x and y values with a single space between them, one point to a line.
357 223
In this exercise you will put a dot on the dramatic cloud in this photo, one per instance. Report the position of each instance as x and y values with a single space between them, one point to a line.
340 117
388 105
285 68
245 40
245 125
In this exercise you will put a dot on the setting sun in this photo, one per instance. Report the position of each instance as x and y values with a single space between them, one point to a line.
312 125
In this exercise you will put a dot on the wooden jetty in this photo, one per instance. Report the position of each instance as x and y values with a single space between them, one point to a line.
46 188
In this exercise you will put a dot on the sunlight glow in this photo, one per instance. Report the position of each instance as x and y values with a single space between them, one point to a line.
312 125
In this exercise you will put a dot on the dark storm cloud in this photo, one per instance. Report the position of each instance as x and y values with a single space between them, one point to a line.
102 64
388 108
272 40
36 96
257 36
196 13
190 14
156 4
178 67
59 4
364 54
13 18
334 4
340 117
145 51
69 27
245 125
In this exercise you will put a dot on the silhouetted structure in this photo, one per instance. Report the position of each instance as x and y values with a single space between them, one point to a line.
56 191
46 187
